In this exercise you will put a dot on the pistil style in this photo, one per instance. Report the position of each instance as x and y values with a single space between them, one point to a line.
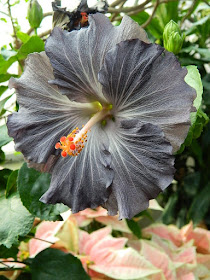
73 143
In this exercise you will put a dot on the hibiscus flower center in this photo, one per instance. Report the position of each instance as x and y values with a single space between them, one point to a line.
74 142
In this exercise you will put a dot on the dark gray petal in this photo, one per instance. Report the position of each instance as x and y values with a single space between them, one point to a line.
146 82
77 56
142 162
83 181
44 115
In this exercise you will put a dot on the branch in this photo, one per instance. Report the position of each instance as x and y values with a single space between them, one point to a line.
11 18
134 12
147 22
47 14
115 14
45 33
116 3
128 9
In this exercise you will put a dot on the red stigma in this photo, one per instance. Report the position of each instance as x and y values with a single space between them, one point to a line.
70 139
64 154
72 147
57 145
63 139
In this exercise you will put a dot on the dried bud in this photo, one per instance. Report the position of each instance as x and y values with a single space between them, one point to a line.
35 14
172 37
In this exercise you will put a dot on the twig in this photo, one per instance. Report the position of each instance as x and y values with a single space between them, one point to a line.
147 22
45 33
128 9
116 3
115 14
32 237
47 14
190 10
11 18
134 12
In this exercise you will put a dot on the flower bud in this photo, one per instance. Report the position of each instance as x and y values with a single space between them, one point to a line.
35 14
172 37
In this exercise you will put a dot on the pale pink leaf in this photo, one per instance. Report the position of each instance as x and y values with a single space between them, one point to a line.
159 259
46 231
125 264
167 232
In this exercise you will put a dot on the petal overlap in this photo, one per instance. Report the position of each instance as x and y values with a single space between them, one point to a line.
146 82
142 162
78 56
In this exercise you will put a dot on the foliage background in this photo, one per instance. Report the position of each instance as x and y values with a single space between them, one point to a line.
188 196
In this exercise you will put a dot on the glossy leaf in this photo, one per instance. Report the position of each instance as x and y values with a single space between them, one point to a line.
31 186
11 182
134 227
3 89
24 37
2 103
4 137
34 44
154 27
8 253
4 175
200 205
53 264
15 220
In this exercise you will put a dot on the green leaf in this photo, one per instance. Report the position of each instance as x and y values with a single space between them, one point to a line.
198 119
34 44
15 220
8 57
52 264
194 26
202 51
166 12
24 276
2 156
191 183
169 211
3 89
5 64
4 175
11 182
134 227
3 19
8 253
2 103
6 77
7 54
193 79
200 205
154 27
24 37
31 186
4 137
